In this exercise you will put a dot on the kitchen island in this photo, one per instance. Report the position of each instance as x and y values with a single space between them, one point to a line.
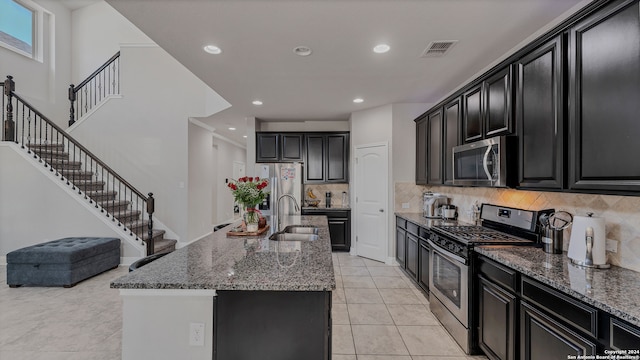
233 298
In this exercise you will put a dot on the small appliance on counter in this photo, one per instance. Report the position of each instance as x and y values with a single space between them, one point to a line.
587 246
345 199
432 207
449 212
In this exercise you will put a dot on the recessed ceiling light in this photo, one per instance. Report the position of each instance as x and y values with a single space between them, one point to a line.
381 48
232 128
256 102
244 136
302 50
358 100
212 49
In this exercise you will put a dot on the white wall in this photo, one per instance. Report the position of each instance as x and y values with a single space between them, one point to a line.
404 140
393 124
144 135
99 30
225 154
156 324
200 179
36 207
44 84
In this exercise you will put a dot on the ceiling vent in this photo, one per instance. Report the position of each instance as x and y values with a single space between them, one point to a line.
438 48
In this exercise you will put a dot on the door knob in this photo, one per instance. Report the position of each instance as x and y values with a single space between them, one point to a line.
381 210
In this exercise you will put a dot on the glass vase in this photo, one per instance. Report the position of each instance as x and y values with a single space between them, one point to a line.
251 218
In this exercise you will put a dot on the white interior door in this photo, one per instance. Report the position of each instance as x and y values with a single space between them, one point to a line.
371 195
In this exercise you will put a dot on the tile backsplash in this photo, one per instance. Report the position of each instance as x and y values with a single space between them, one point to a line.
621 213
320 190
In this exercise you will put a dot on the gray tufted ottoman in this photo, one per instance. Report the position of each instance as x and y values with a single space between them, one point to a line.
64 262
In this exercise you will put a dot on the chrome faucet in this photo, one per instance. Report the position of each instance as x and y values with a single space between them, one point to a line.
295 203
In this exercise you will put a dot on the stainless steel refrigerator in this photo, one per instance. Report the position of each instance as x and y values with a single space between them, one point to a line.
284 178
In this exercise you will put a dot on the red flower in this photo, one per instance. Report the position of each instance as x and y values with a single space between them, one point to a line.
233 186
256 179
250 179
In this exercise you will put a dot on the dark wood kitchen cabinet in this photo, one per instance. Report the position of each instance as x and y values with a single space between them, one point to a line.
278 147
604 84
472 120
421 150
272 325
539 117
412 255
451 136
401 241
487 110
497 310
326 158
434 151
424 261
339 226
543 337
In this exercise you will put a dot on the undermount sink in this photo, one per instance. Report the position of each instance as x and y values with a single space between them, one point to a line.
301 230
293 237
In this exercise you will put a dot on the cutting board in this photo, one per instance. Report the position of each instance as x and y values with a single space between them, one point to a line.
245 233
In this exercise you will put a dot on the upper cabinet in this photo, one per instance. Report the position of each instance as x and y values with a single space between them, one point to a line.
451 136
539 117
488 107
434 151
326 158
604 93
421 150
278 147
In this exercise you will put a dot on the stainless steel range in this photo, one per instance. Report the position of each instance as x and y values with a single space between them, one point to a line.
451 289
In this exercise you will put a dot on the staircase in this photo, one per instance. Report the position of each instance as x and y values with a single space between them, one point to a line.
94 188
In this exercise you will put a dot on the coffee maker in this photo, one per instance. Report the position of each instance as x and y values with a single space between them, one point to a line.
432 207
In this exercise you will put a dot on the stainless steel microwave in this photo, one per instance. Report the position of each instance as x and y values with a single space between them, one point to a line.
488 162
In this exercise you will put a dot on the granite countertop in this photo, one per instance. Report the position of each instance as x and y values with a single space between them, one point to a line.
219 262
419 219
615 290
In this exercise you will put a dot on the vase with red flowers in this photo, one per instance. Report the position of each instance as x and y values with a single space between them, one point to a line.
249 192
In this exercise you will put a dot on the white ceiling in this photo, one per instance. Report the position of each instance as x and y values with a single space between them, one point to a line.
257 38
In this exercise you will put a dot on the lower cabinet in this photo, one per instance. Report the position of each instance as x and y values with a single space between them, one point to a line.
522 318
412 256
401 244
543 337
412 251
497 321
423 256
339 227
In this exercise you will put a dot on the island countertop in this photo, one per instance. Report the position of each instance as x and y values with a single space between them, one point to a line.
219 262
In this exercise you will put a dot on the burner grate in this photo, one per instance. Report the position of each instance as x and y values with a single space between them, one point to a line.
478 234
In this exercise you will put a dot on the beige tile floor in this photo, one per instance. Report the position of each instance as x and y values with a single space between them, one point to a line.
378 314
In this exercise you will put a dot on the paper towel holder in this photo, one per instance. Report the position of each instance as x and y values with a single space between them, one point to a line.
583 242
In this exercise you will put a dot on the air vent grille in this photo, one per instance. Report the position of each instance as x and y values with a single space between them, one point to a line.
438 48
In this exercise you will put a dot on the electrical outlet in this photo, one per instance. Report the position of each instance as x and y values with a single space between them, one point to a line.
405 205
196 334
612 245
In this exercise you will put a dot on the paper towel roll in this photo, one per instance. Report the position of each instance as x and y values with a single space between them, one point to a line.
577 243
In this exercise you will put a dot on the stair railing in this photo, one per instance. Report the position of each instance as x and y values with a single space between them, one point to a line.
103 82
75 164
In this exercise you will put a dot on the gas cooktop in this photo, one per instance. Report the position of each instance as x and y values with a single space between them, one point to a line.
473 234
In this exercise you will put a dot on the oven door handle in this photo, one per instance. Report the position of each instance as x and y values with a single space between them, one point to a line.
449 255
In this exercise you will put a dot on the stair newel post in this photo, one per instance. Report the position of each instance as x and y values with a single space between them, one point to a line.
150 209
72 99
9 124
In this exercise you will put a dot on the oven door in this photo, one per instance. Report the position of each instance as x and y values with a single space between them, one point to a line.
449 282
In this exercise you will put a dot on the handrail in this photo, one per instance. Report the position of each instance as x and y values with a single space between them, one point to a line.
83 98
74 163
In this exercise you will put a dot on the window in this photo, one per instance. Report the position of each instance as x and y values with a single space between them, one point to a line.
17 27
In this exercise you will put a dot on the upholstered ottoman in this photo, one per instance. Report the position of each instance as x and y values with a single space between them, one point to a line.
63 262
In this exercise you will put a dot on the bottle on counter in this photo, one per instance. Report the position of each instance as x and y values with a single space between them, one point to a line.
328 199
345 199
